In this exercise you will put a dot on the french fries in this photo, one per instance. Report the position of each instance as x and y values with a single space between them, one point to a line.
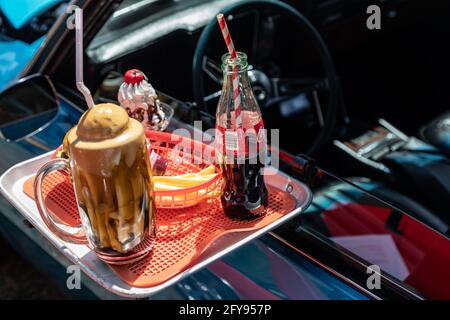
185 181
182 182
209 170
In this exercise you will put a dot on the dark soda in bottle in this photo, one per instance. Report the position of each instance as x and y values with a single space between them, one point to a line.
240 144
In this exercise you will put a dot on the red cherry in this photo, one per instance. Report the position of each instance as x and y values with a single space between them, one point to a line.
134 76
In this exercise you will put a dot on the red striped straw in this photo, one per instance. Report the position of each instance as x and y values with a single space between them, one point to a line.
233 55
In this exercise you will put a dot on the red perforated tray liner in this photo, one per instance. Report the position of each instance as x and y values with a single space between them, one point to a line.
182 234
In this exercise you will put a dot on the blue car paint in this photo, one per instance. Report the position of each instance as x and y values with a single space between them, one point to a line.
273 270
14 56
19 12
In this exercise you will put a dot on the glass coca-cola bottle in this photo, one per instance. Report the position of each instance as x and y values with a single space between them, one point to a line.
240 143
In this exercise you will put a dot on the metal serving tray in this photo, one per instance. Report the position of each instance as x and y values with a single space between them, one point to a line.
11 186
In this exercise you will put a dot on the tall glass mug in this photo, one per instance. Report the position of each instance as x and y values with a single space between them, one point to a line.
112 178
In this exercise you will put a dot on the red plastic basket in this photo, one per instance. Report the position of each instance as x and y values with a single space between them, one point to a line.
184 155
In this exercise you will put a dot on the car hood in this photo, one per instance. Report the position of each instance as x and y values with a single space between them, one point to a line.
19 12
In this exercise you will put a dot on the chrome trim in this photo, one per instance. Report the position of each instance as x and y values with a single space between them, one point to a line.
318 108
361 158
393 129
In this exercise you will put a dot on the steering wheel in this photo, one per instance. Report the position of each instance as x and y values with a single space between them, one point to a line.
270 91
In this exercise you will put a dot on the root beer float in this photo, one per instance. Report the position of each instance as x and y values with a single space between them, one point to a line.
110 168
112 178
